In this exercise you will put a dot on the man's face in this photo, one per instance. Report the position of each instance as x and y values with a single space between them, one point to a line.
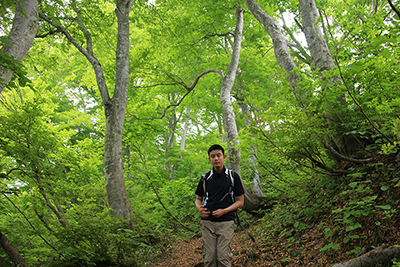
216 159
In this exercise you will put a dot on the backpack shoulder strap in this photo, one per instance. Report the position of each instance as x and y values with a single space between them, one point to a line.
203 179
232 180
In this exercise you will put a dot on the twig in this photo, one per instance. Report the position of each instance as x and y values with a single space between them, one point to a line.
357 104
20 211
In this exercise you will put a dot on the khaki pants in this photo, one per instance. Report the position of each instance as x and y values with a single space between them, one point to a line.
217 243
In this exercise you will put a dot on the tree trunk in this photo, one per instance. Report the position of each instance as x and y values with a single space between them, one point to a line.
323 61
376 256
251 202
320 54
185 129
12 252
231 131
23 32
114 108
183 142
252 159
281 49
115 117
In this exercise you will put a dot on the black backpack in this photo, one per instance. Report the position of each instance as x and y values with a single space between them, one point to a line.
230 192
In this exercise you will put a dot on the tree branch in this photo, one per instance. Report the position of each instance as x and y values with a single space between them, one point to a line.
394 8
47 34
334 152
188 88
101 82
358 104
33 227
297 44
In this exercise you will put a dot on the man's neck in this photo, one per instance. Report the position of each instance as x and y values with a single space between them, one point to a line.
219 170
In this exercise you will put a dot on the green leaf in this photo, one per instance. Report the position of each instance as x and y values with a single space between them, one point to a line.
331 245
353 227
353 184
354 66
328 232
384 188
385 207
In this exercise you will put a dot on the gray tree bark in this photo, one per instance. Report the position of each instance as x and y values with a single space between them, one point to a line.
24 29
281 49
12 252
323 61
251 201
231 131
252 159
376 256
320 54
114 108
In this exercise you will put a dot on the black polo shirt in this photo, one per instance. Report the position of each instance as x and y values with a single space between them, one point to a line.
217 195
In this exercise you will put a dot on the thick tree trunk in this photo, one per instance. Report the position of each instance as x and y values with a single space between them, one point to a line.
376 256
323 61
114 108
23 32
12 252
115 117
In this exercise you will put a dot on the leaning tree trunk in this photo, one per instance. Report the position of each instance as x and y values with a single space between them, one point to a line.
320 54
24 28
12 252
377 256
281 49
251 201
114 108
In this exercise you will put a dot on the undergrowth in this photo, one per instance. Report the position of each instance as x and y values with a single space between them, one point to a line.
351 213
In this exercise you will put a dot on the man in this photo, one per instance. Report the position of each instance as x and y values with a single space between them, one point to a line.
218 210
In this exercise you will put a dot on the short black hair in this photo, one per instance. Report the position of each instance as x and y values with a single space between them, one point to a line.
216 147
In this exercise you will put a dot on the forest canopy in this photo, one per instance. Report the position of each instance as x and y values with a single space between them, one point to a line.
108 109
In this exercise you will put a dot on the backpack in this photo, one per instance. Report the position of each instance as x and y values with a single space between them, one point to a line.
230 192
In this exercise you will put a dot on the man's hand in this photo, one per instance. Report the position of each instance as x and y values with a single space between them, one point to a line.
218 213
204 212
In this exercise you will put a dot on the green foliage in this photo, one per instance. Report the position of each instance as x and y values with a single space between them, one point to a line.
10 63
51 137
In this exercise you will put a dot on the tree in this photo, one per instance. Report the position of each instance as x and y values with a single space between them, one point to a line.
12 251
281 49
115 106
24 28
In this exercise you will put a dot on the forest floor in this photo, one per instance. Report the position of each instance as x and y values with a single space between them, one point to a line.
305 252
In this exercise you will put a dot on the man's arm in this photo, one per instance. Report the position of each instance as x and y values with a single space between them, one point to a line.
200 208
239 202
